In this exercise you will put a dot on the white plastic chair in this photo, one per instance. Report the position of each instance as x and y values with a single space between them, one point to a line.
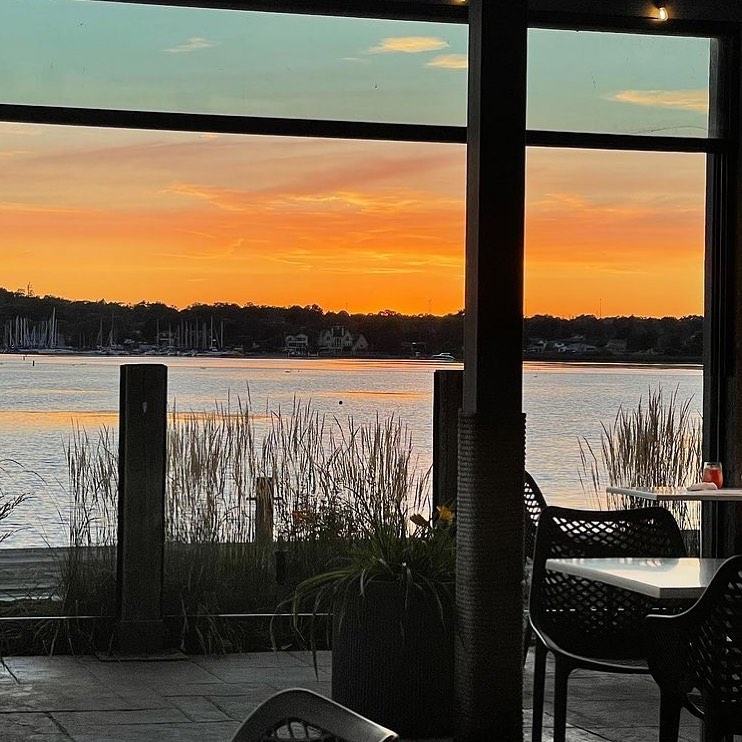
300 714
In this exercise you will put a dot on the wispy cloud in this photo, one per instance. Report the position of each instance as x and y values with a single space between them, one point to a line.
449 61
688 100
409 45
194 44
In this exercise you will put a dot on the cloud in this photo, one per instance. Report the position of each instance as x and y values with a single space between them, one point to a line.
449 61
194 44
409 45
688 100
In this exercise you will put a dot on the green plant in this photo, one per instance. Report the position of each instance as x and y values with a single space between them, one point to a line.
414 552
655 444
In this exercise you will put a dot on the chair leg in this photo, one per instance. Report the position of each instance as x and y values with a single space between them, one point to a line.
709 734
539 680
561 679
669 718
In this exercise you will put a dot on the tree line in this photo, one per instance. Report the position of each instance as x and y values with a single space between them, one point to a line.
263 329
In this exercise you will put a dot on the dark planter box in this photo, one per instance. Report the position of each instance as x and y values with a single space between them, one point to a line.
394 662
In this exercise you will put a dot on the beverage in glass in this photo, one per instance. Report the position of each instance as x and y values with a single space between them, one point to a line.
712 472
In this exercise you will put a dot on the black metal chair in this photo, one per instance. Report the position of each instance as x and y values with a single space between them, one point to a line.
300 714
533 505
696 659
584 623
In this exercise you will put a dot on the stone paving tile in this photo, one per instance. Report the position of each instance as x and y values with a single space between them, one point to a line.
29 726
238 707
198 708
208 732
77 722
217 688
150 674
254 660
50 697
46 668
289 676
573 735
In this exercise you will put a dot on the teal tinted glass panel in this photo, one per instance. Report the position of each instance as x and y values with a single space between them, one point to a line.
618 83
195 60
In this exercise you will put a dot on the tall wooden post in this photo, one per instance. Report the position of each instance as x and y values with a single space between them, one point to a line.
489 570
142 428
448 386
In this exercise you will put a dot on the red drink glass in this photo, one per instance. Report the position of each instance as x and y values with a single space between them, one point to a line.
712 472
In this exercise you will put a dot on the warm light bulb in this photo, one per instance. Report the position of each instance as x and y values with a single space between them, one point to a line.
662 13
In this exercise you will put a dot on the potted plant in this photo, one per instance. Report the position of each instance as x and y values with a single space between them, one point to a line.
391 600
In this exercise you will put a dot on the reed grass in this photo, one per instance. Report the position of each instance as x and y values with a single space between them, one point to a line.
329 479
654 444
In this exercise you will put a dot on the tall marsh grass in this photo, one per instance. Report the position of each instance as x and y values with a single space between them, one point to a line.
327 480
656 443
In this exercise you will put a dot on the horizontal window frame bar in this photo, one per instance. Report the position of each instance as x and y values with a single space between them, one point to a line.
565 21
624 142
230 124
434 11
328 129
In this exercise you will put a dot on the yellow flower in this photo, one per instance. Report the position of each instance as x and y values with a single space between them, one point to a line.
445 514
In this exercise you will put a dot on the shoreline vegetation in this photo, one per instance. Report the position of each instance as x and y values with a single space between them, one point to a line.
29 323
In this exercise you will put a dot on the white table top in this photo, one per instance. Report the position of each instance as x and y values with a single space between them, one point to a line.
674 494
659 578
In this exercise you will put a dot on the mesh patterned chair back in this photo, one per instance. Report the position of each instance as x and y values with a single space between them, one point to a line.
586 617
300 714
533 505
696 658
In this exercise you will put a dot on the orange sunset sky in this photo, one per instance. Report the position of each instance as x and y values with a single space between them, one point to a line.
132 216
363 226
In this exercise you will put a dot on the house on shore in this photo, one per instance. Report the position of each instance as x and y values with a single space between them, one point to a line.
338 341
296 345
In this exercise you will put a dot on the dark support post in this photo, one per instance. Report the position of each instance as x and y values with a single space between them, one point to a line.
142 428
448 389
722 384
263 510
489 568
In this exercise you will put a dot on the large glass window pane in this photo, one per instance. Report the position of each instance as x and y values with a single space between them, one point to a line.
184 218
614 275
194 60
613 233
618 83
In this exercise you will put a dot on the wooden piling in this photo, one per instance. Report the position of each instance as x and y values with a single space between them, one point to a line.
263 510
448 389
142 430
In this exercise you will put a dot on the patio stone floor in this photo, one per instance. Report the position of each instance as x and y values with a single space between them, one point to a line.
204 698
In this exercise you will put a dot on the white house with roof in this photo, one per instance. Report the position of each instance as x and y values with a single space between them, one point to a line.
297 345
338 340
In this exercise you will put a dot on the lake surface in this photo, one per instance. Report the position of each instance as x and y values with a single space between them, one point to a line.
42 397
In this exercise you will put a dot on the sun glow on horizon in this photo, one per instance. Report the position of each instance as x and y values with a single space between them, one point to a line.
182 219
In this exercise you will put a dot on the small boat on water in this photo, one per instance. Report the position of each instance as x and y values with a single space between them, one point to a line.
442 357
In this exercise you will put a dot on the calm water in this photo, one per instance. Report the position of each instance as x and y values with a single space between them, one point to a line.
41 397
